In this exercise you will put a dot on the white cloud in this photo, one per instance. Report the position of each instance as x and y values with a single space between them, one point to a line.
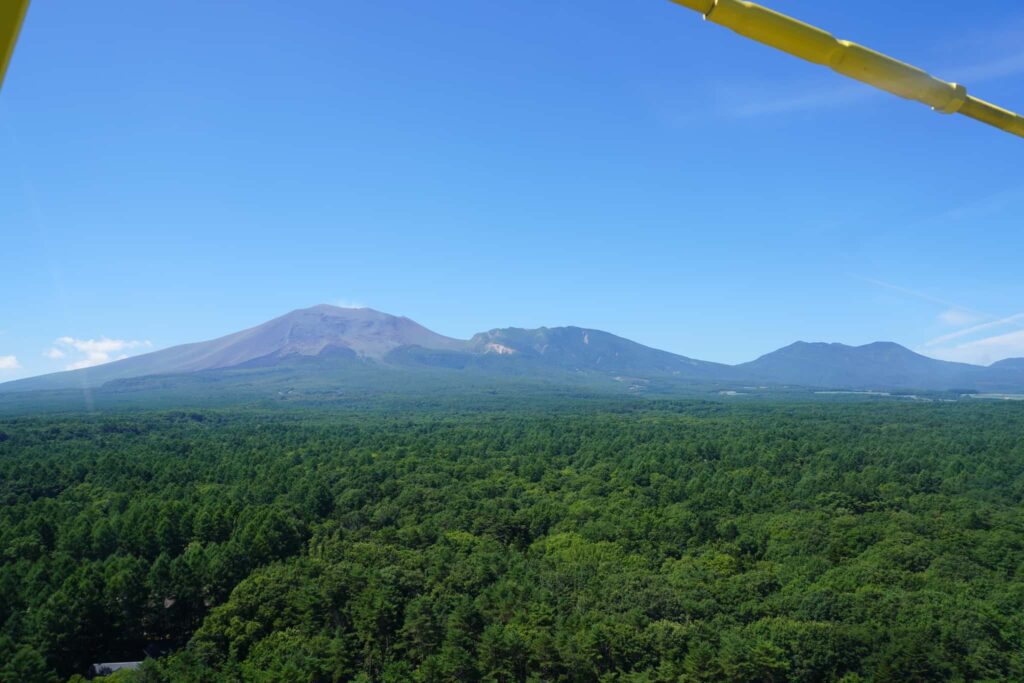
93 351
747 103
984 351
346 303
958 317
959 345
1015 319
918 295
9 363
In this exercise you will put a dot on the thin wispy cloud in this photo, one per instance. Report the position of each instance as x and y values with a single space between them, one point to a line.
348 303
1017 320
9 363
927 297
984 351
92 352
958 345
956 317
981 208
743 103
993 70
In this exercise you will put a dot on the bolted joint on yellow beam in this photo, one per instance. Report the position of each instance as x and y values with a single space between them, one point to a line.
957 100
891 75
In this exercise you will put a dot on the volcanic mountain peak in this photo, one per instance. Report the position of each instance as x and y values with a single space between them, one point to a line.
359 332
365 331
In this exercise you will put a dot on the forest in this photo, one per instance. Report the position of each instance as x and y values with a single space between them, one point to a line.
658 541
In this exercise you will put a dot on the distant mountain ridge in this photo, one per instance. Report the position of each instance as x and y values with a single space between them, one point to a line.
876 365
1009 364
360 342
576 347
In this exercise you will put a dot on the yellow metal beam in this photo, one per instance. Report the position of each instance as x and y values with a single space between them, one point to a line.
852 60
12 13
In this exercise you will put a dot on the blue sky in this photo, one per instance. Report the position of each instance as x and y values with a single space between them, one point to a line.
175 171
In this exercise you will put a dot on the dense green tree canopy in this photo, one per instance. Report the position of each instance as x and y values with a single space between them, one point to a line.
635 542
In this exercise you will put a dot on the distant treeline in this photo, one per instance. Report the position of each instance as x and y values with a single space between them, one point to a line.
658 542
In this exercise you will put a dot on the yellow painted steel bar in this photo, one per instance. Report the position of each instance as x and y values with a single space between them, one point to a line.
852 60
12 14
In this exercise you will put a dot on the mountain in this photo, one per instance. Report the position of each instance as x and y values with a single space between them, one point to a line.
330 350
881 365
328 330
1008 364
579 349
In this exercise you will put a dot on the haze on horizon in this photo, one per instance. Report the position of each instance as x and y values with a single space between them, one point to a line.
617 167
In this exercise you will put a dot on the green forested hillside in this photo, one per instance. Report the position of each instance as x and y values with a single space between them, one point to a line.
667 541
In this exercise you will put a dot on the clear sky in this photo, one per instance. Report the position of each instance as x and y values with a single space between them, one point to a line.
175 171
